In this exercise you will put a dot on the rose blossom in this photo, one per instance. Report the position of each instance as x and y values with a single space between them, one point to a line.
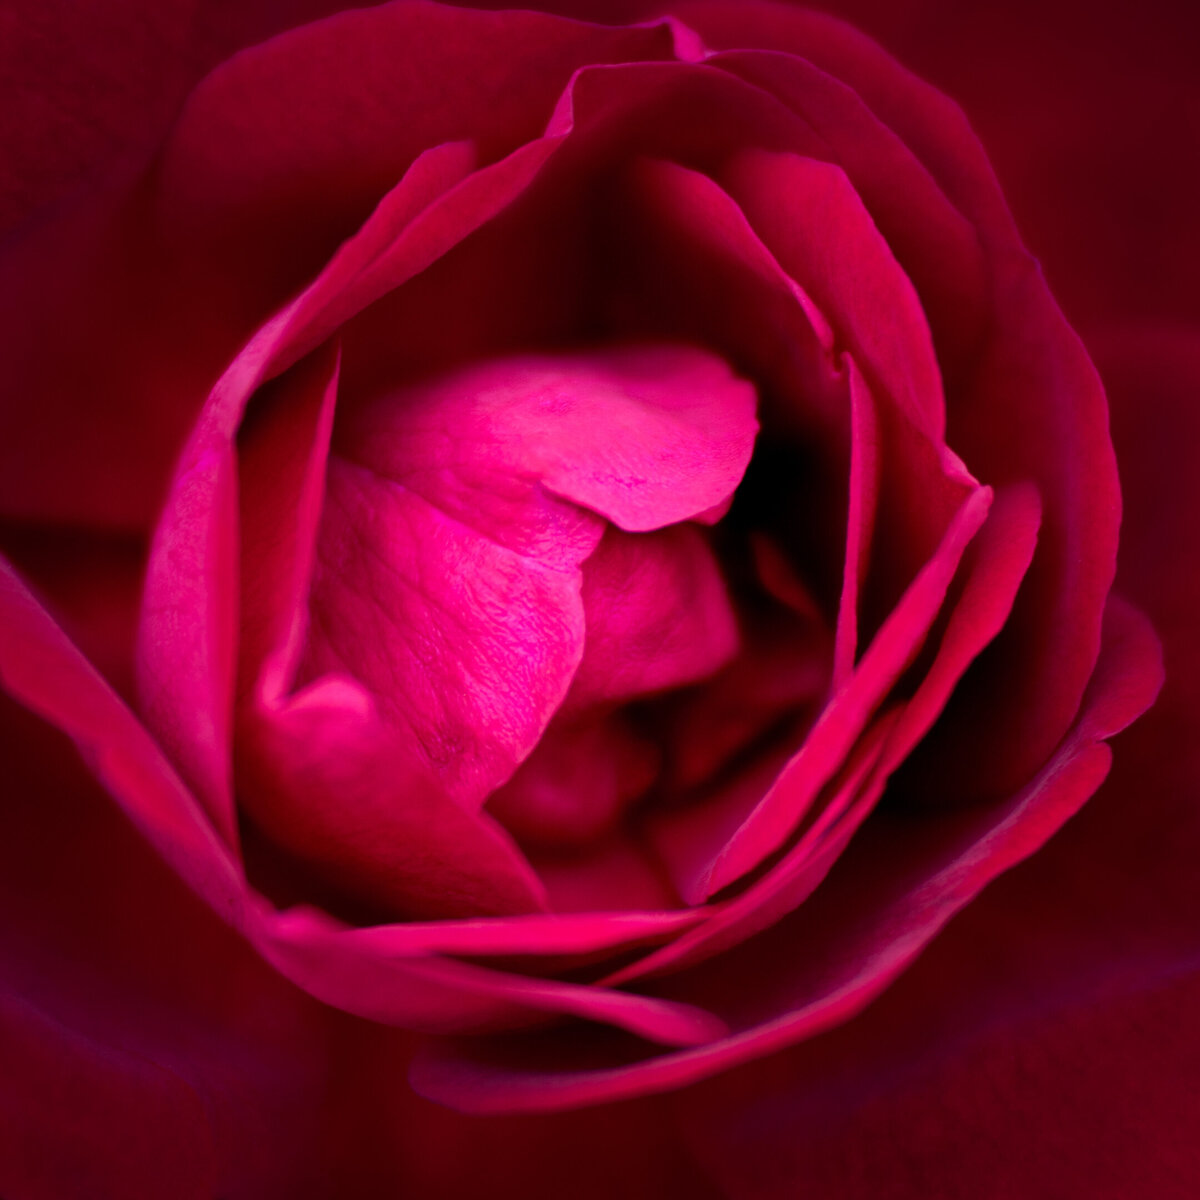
598 484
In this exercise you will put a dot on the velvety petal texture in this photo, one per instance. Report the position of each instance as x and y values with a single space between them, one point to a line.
556 581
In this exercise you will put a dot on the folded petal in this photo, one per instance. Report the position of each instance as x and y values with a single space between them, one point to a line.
766 827
819 967
658 615
324 778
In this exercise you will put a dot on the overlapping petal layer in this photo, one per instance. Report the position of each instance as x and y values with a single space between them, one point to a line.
469 490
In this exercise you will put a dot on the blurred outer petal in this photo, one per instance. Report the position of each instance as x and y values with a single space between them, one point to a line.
630 1150
42 669
89 84
77 1113
120 311
147 1050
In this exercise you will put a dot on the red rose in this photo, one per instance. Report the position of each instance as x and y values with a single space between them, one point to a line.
632 539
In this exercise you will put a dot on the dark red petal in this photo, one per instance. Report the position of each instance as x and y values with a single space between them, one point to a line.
120 312
1034 409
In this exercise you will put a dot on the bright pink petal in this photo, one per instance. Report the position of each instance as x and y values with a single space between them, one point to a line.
449 573
466 645
547 935
439 994
644 436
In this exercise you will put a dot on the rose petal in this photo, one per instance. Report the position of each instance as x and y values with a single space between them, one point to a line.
891 448
1052 429
282 460
776 815
998 560
577 783
320 777
542 935
866 940
825 239
186 654
644 436
41 668
860 520
439 536
937 247
658 615
442 994
466 645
